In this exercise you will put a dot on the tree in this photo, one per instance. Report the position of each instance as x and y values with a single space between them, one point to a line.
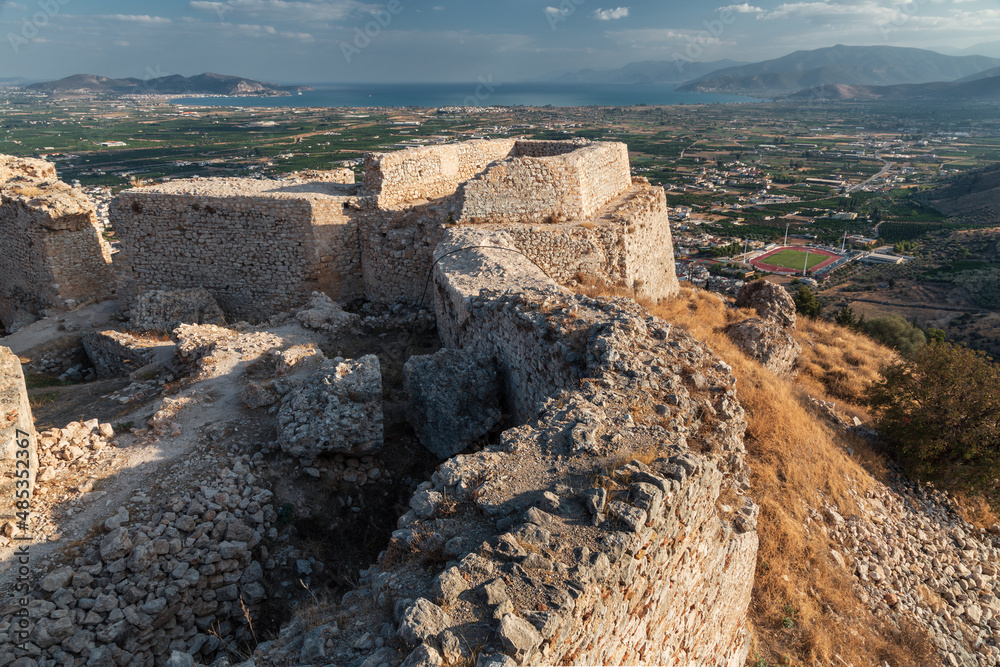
807 303
940 412
846 318
895 332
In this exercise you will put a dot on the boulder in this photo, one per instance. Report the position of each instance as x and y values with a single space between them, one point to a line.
324 314
335 409
165 310
768 343
772 302
454 399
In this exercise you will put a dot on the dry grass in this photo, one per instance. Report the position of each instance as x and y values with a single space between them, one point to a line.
804 610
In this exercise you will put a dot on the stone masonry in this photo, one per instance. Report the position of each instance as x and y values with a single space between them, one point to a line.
18 445
561 550
53 252
261 247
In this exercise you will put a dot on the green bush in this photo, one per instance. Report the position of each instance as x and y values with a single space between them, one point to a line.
807 303
940 412
895 332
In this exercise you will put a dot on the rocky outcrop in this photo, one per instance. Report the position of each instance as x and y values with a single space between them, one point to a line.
454 399
12 167
165 310
766 342
772 302
335 409
18 444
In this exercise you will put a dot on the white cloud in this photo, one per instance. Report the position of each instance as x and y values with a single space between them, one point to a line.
744 8
555 11
287 10
611 14
12 5
135 18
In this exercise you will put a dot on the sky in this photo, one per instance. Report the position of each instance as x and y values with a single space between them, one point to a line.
308 41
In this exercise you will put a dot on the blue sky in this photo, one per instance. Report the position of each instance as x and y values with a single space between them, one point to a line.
453 40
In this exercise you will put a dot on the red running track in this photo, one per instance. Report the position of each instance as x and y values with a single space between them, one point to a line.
760 262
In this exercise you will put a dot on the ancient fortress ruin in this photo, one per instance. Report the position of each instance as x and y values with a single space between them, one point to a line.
53 253
262 247
593 532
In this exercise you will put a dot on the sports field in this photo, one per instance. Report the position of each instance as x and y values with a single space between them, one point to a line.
796 259
790 260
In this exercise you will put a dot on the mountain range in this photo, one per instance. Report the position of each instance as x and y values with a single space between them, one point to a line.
646 71
840 65
202 84
836 72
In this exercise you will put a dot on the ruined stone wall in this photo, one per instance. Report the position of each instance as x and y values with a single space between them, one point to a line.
53 251
568 186
18 443
429 172
116 354
397 249
258 253
12 167
558 555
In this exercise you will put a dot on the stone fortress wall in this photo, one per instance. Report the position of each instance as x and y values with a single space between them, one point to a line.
53 253
259 247
262 247
557 556
18 444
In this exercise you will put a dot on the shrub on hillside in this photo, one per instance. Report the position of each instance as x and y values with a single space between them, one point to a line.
895 332
940 411
807 303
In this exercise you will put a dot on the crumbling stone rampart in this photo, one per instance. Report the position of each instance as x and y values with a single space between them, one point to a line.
53 252
259 247
557 555
18 443
568 186
262 247
117 354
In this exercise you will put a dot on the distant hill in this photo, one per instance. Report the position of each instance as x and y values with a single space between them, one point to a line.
840 65
202 84
646 71
973 195
985 89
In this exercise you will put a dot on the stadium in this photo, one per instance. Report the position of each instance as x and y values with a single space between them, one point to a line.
790 260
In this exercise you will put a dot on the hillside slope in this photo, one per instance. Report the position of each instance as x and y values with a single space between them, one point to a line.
202 84
850 65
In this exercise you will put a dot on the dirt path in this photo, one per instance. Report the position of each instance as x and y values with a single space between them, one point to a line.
61 324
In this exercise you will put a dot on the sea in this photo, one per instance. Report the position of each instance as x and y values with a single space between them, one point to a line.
481 94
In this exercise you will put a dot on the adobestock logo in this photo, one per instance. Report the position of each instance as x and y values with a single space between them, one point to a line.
363 35
32 25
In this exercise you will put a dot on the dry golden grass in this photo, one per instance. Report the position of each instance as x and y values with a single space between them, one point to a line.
804 610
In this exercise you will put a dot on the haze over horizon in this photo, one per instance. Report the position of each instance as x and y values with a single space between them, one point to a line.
306 41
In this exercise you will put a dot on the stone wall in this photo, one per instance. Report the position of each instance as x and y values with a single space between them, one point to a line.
259 247
262 247
557 554
569 186
53 252
429 172
18 444
117 354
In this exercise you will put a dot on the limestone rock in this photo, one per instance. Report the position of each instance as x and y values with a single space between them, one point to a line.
256 395
165 310
772 302
518 636
454 399
772 346
324 314
337 409
422 621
